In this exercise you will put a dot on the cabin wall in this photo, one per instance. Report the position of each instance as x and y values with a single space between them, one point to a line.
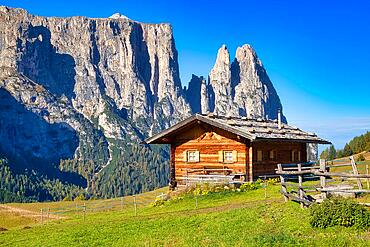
209 141
283 155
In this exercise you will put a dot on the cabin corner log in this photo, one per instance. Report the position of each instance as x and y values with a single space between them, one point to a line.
173 182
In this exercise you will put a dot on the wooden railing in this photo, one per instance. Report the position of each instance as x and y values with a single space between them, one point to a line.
303 171
212 175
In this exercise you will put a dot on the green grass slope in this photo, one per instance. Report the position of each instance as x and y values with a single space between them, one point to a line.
221 219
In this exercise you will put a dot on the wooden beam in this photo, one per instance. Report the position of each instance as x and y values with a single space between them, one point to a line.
173 182
283 186
355 171
250 164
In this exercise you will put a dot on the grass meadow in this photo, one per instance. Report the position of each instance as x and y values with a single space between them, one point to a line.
220 219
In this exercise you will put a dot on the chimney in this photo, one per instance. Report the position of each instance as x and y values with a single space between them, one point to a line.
279 119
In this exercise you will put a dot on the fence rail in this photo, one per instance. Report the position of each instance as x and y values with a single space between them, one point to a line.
129 204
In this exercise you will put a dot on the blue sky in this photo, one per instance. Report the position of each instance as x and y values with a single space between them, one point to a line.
317 53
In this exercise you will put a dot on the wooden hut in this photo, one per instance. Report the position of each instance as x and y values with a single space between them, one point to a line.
212 148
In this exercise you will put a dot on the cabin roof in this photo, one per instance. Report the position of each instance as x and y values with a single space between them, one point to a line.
252 129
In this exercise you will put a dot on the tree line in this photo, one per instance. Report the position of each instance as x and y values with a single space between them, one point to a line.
357 145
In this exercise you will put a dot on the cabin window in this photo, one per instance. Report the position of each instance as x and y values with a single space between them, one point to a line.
259 155
272 155
228 156
296 155
192 156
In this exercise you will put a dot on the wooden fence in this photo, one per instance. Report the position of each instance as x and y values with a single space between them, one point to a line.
130 204
330 182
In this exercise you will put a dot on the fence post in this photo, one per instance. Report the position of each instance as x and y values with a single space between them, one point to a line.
367 173
322 169
135 206
265 187
283 185
196 201
48 215
84 211
121 202
355 171
42 216
300 184
322 177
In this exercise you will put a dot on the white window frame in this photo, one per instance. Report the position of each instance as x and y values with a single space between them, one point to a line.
228 156
192 156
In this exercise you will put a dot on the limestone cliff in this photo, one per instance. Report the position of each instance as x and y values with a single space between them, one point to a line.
240 88
85 90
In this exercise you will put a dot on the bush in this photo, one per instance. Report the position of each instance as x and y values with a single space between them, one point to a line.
250 186
206 188
158 202
337 211
361 157
80 197
67 198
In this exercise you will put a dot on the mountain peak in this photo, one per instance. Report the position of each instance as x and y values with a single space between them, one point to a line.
119 16
246 51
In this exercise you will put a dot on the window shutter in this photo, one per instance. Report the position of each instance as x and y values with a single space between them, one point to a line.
196 156
220 156
235 156
185 158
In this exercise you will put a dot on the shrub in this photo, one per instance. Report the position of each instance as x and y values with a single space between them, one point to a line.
361 157
250 186
67 198
273 181
337 211
158 202
80 197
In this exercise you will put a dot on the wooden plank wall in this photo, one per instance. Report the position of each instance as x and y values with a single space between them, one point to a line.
283 156
209 141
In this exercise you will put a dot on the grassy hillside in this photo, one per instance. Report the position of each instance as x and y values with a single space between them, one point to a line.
221 219
361 165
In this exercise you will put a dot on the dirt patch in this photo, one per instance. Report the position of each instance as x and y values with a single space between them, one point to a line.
2 229
26 213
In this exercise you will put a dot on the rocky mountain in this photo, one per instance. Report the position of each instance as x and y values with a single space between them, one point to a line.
78 95
238 88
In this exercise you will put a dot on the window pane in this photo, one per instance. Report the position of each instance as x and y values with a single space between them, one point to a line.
191 156
259 155
228 156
